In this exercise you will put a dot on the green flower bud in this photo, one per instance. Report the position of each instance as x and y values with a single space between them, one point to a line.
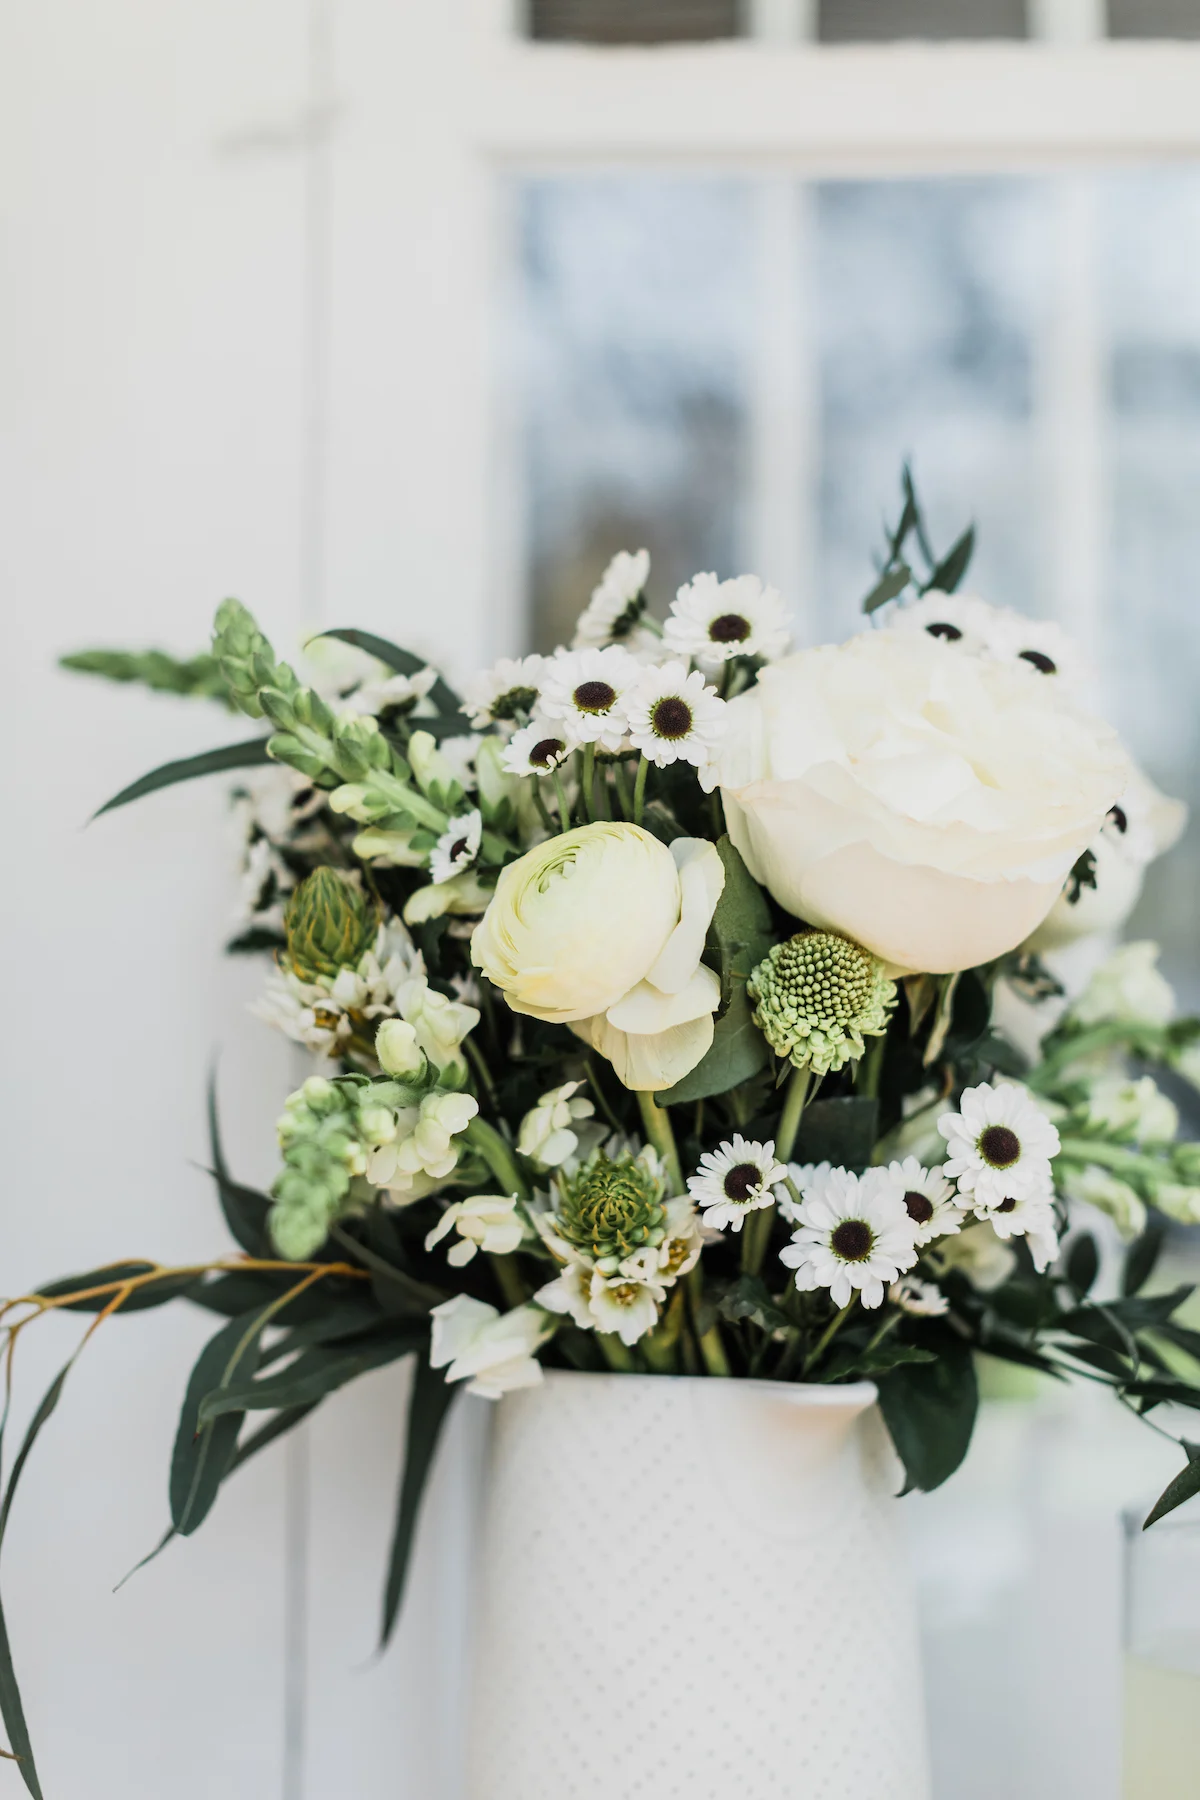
610 1209
819 995
330 925
244 656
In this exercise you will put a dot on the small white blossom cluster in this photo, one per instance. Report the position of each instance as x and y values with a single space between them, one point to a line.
997 632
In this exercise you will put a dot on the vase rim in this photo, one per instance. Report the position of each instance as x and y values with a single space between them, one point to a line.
860 1394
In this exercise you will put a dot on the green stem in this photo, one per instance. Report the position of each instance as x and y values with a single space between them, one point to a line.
871 1068
623 796
594 1082
889 1324
1121 1157
509 1277
639 790
587 781
617 1355
560 794
827 1336
656 1122
712 1350
498 1156
603 803
1147 1039
796 1100
543 809
478 1062
756 1236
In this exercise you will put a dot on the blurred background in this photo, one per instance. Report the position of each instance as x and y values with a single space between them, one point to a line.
408 316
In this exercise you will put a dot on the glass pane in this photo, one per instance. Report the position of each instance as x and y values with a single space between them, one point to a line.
1153 19
842 21
633 21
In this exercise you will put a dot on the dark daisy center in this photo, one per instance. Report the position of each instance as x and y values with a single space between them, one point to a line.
671 717
740 1180
920 1207
943 629
999 1146
1040 661
852 1240
515 700
1007 1206
594 696
730 628
1119 818
457 849
546 751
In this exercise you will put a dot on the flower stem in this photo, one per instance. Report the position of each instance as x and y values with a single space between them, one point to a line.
560 794
712 1350
871 1067
509 1278
889 1324
543 809
603 803
587 782
826 1338
617 1355
478 1062
656 1122
756 1236
796 1100
498 1156
639 790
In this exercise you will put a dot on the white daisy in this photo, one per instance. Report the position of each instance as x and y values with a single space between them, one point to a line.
505 691
735 1179
392 693
929 1199
617 603
1033 1219
459 752
484 1222
536 749
674 716
712 621
1039 643
584 691
923 1299
855 1235
960 619
457 847
1000 1144
802 1175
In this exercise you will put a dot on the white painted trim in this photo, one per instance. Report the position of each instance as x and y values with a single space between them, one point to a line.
834 109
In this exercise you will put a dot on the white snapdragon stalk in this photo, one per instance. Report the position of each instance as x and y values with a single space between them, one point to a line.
1136 1111
1101 1188
493 1352
490 1222
420 1142
547 1135
603 929
1127 988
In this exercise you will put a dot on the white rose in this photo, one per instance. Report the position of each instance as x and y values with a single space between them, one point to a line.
927 803
1143 824
602 929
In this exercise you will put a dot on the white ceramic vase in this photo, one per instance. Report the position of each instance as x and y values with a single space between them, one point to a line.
693 1587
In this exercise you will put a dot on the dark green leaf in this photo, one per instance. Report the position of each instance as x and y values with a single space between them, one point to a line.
431 1398
1185 1486
739 937
1180 1335
203 1454
403 661
394 1289
953 566
153 1293
841 1131
1142 1258
930 1409
1149 1309
314 1373
749 1298
245 1210
249 755
1162 1390
892 1353
1083 1265
890 583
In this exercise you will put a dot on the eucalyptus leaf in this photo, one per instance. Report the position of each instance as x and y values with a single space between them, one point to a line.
315 1373
203 1454
1185 1486
930 1409
890 583
244 1208
1142 1257
249 755
153 1293
953 566
429 1402
1083 1264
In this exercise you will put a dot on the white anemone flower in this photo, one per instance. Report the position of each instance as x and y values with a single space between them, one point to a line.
537 749
505 691
493 1351
712 621
584 691
484 1222
734 1180
674 716
1000 1144
617 602
457 847
547 1136
855 1236
923 1299
929 1199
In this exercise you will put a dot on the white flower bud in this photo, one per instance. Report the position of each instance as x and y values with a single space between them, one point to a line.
397 1048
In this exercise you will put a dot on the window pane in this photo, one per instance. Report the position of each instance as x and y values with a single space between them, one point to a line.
1153 19
842 21
633 21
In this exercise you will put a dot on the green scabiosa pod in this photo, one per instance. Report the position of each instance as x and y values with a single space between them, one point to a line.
611 1208
330 925
818 996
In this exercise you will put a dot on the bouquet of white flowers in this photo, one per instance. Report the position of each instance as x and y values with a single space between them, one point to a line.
659 988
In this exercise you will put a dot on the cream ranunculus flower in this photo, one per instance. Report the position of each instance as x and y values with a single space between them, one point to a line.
602 929
927 803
